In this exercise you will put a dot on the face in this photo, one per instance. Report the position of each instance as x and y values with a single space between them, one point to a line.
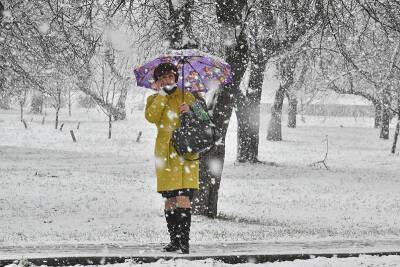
167 79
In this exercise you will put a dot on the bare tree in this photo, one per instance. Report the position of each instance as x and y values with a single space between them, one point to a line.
277 26
106 85
363 30
286 68
21 94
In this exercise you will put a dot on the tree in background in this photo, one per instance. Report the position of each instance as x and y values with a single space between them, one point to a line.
367 46
120 73
37 102
34 51
108 87
57 38
358 56
276 27
286 68
20 90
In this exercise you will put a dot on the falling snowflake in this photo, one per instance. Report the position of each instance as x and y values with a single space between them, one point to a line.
172 115
80 22
229 42
187 169
166 43
215 166
160 162
44 28
7 14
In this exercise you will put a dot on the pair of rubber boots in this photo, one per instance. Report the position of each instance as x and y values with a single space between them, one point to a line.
178 223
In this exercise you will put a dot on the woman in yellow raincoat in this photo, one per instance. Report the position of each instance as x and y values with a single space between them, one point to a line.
177 176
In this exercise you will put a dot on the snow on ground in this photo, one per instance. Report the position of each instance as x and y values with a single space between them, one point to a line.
99 190
362 261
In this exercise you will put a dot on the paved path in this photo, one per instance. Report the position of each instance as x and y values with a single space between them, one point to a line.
71 254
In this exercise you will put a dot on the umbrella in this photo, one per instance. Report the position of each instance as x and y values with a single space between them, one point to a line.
198 71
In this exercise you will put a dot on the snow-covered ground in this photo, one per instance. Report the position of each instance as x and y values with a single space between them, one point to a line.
102 191
362 261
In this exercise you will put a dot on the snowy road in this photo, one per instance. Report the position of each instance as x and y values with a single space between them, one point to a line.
238 252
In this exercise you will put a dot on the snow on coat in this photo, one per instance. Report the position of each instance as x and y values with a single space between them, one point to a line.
173 171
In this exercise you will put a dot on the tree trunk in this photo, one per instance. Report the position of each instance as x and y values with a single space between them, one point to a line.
286 69
21 106
41 105
385 118
292 120
378 115
109 125
120 107
211 164
69 103
206 198
248 114
57 106
57 112
179 23
396 133
275 123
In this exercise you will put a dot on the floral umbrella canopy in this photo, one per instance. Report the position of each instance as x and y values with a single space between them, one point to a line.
200 70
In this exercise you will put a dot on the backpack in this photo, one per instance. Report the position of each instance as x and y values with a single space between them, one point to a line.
196 133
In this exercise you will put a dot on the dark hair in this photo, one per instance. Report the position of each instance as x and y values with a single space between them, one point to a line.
164 68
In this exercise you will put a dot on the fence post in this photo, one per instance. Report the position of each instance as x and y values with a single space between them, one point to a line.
138 137
73 136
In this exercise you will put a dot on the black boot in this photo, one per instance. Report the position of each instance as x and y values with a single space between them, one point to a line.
184 221
172 224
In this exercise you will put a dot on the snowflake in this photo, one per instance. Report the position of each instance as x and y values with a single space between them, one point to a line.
172 115
44 28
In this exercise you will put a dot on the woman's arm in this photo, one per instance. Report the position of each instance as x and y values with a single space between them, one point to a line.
154 107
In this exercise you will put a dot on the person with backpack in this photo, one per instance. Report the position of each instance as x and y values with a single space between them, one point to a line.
177 176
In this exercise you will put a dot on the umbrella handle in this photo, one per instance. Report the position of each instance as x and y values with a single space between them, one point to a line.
183 81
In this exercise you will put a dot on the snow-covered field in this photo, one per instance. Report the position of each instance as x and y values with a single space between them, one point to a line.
99 190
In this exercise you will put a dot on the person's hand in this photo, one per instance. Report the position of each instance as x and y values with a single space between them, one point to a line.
184 108
157 85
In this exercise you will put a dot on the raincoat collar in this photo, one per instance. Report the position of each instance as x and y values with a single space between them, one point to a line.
170 92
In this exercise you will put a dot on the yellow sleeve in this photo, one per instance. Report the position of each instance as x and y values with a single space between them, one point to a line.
154 107
189 98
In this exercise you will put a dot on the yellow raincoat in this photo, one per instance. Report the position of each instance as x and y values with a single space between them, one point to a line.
173 171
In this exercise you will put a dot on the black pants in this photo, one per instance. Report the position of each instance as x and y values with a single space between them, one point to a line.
189 192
